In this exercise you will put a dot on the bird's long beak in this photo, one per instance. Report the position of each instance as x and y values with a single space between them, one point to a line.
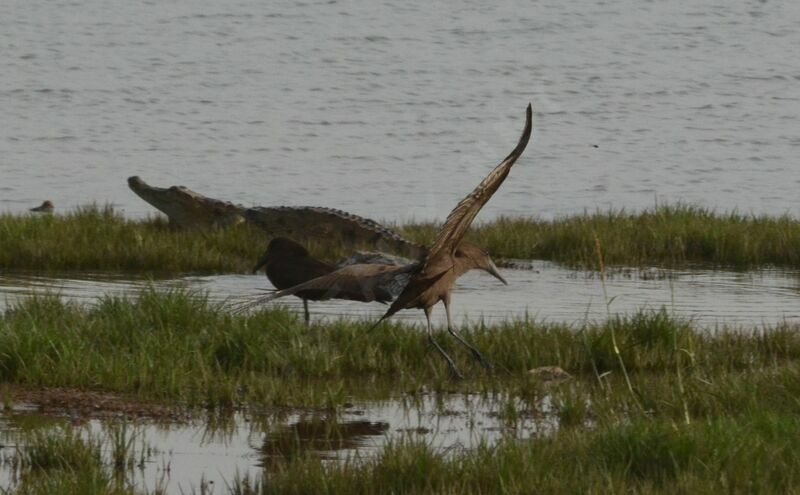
495 272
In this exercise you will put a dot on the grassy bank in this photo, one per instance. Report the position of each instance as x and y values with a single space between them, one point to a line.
665 235
100 239
177 347
676 410
93 239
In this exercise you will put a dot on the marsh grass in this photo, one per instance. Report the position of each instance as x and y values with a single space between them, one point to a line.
96 238
60 460
738 386
69 460
176 346
756 455
669 235
641 456
657 405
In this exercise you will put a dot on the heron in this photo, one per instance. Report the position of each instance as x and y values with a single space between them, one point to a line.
434 280
430 280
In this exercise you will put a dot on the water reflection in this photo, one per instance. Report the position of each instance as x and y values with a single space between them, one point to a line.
542 290
325 435
176 456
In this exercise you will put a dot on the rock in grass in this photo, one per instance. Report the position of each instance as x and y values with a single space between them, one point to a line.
549 375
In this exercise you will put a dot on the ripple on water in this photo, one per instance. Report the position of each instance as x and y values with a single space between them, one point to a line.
635 80
541 290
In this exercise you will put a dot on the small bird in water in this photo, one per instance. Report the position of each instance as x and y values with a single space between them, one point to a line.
288 264
430 280
45 207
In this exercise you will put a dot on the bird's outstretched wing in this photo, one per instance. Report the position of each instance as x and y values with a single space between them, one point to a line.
459 220
362 282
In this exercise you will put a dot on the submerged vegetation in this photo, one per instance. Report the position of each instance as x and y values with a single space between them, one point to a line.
699 411
754 454
94 238
721 455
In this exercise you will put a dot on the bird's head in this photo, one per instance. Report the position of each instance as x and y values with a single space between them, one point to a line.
473 256
280 247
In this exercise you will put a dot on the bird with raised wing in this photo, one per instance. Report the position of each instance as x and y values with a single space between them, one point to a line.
444 263
426 282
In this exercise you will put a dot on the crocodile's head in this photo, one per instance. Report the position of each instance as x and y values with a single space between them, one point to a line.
185 207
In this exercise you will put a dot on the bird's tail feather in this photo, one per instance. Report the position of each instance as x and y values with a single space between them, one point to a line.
241 305
385 316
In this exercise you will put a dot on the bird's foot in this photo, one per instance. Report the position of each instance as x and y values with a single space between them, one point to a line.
484 362
455 374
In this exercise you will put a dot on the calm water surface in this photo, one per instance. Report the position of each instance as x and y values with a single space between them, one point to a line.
177 457
396 110
544 292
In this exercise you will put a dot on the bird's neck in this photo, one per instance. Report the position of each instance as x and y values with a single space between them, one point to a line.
462 265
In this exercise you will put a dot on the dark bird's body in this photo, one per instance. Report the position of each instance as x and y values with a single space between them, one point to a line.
429 281
288 264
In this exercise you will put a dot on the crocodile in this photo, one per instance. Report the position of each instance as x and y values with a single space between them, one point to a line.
319 223
189 209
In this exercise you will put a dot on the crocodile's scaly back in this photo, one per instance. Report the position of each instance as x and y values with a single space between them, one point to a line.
188 209
314 222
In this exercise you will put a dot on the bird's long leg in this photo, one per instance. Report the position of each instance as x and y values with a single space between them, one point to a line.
450 328
305 309
453 370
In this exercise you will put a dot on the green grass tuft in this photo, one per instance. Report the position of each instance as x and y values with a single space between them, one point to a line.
756 455
99 239
177 346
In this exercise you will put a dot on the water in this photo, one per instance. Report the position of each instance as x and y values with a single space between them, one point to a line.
178 456
544 292
395 111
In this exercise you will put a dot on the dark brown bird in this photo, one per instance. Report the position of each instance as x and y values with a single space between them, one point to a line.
288 264
45 207
366 282
429 281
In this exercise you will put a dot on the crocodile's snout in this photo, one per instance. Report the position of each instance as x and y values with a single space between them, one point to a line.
135 181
